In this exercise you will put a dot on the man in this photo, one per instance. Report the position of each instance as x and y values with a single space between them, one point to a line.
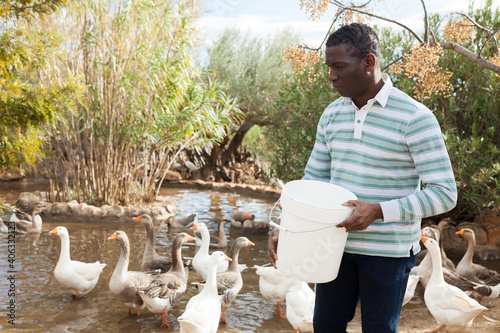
388 149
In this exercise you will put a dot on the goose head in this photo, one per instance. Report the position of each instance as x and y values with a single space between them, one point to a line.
59 231
217 257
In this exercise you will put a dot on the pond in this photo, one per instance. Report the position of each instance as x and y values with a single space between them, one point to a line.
43 306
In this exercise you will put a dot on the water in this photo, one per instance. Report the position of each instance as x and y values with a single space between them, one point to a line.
43 306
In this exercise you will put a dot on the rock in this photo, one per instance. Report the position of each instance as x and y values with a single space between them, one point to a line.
173 175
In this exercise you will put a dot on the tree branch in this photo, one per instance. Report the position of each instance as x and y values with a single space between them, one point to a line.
426 21
464 15
492 35
381 18
471 56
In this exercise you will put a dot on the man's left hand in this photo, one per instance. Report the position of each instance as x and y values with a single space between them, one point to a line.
363 215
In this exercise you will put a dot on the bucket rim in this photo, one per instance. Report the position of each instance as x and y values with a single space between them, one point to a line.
339 208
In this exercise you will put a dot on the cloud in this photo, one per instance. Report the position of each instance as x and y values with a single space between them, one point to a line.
258 25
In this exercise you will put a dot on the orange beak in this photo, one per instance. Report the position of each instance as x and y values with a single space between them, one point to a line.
424 239
137 218
422 231
194 227
250 243
53 231
191 238
112 237
460 232
227 258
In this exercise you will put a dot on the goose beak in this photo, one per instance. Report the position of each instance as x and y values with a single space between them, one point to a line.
137 218
112 237
194 227
460 232
191 238
250 243
53 231
227 258
424 239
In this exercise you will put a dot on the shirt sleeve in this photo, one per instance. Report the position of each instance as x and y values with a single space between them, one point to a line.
438 192
319 164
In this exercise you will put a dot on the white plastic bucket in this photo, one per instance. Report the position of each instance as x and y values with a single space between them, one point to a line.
310 246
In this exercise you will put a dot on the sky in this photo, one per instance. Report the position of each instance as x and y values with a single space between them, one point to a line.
267 17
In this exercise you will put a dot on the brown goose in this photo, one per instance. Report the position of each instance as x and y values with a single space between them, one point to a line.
166 289
443 224
182 222
219 241
152 261
124 283
437 232
27 224
229 283
473 271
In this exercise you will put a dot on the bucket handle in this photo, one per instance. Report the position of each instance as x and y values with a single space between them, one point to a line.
273 223
276 225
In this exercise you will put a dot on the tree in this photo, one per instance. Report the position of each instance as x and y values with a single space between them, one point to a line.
250 69
143 99
27 105
457 28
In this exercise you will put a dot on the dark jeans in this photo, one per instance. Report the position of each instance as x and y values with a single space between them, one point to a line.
378 282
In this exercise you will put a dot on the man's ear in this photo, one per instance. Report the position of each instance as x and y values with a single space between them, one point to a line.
370 62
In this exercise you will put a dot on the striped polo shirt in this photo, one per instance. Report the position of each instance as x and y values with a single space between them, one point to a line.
391 152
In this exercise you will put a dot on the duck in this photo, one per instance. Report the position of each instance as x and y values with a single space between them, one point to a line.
449 305
182 222
152 261
470 270
124 283
273 285
229 282
216 241
300 306
28 224
79 277
203 311
167 289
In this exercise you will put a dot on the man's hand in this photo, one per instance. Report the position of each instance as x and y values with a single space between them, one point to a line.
272 245
363 215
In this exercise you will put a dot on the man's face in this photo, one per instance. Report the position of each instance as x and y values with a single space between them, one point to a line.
348 72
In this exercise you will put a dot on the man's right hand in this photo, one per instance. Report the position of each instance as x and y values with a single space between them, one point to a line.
272 245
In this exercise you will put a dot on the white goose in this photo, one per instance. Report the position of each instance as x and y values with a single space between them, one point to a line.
202 257
273 285
449 305
79 277
300 306
203 310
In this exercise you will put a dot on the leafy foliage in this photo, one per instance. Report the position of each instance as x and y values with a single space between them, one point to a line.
250 68
299 106
27 104
144 101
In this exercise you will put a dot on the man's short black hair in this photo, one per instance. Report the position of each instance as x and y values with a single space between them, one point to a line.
361 39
